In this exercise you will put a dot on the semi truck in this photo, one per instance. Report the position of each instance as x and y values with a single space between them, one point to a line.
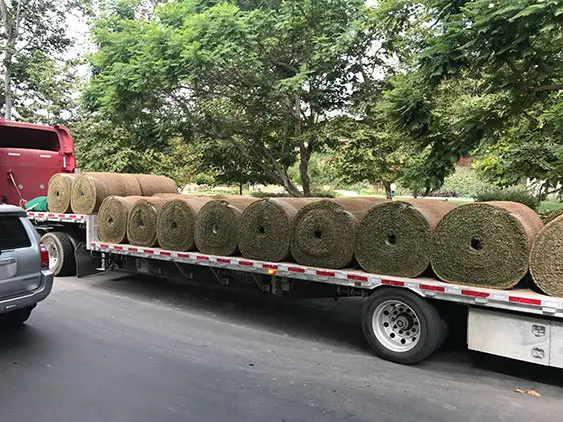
404 320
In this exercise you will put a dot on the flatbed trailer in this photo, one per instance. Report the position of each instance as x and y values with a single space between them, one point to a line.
404 319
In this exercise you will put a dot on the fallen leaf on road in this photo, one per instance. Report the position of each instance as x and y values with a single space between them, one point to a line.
533 393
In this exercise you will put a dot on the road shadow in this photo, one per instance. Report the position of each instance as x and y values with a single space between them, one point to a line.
326 320
335 323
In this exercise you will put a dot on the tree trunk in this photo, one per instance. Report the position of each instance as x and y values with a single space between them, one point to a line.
240 188
387 186
7 91
304 157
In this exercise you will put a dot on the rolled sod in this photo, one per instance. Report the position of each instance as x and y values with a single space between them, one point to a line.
90 189
485 244
113 216
151 184
552 215
141 226
546 265
265 228
324 232
395 237
59 192
217 225
176 222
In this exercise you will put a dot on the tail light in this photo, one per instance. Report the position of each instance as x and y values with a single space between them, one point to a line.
44 256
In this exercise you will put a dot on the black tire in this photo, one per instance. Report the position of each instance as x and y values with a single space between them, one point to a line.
431 328
60 243
15 318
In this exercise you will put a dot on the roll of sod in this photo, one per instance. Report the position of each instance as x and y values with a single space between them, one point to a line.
141 226
265 229
90 189
217 225
552 215
113 216
546 265
176 222
395 237
324 232
151 184
59 192
485 244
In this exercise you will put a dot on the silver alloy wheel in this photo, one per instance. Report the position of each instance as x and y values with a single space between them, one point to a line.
396 326
53 254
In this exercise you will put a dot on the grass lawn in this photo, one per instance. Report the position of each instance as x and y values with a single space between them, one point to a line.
549 205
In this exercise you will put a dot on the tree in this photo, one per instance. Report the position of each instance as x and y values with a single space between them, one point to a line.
264 77
31 32
486 76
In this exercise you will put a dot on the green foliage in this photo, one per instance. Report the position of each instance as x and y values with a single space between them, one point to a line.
204 179
466 182
485 76
37 84
513 193
263 78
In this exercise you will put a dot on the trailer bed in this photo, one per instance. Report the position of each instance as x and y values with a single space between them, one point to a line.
517 300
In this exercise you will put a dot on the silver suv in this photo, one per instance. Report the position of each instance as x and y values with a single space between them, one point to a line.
25 278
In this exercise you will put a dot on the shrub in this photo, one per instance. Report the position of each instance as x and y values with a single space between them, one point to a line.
204 179
323 194
257 194
465 182
445 193
513 193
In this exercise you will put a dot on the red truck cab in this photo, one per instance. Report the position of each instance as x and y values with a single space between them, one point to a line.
29 155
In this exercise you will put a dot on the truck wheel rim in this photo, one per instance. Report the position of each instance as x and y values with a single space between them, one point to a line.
396 326
53 255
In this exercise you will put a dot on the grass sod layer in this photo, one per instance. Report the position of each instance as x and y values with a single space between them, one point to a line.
395 238
546 265
90 189
265 229
217 225
113 217
152 185
175 225
485 244
324 232
59 192
552 215
141 226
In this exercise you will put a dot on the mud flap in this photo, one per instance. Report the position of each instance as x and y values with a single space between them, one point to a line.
86 263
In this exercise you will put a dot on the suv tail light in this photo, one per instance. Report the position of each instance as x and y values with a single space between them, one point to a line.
44 256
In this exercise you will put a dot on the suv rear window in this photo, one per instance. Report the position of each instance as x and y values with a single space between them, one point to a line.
13 234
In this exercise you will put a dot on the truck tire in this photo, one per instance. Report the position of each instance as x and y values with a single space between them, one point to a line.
402 327
15 318
61 253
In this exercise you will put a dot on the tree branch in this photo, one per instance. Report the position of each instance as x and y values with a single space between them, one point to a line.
548 87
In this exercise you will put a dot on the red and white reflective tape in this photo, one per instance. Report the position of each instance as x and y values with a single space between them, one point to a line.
50 216
517 300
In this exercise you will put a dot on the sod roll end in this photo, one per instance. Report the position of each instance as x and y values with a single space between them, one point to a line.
141 225
113 216
265 228
217 225
485 244
176 222
546 265
59 192
324 232
395 237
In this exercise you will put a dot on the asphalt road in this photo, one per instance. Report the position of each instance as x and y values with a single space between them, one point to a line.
114 348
